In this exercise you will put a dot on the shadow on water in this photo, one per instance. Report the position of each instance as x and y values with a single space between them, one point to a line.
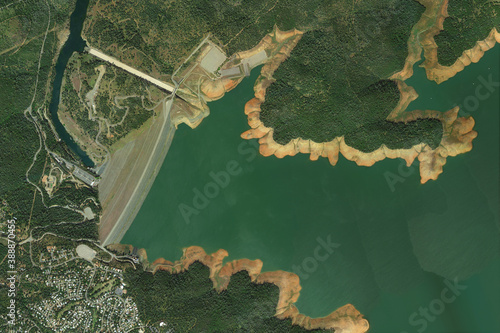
75 43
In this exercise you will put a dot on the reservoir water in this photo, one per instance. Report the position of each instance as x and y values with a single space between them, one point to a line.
75 43
397 246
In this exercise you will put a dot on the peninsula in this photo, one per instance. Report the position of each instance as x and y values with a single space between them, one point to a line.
343 320
456 134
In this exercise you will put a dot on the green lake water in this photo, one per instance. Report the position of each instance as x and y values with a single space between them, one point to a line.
394 244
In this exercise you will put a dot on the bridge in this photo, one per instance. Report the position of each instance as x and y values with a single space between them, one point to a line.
115 62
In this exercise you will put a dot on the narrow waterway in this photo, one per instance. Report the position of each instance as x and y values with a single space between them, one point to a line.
75 43
394 243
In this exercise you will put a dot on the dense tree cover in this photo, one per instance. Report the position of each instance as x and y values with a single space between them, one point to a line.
66 195
4 299
360 117
23 25
334 82
169 30
25 34
40 245
22 31
469 22
188 302
19 142
18 137
82 230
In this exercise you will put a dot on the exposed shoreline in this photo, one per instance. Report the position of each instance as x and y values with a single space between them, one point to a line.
344 320
458 135
121 200
457 132
457 138
429 24
422 39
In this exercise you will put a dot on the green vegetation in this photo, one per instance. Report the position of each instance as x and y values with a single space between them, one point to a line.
40 245
20 142
4 299
352 98
102 288
469 22
334 83
67 196
64 290
123 102
158 35
188 302
22 30
24 25
25 161
82 230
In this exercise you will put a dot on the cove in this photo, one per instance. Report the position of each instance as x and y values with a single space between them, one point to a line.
396 245
75 43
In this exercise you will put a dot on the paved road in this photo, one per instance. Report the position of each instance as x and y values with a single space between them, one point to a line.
118 63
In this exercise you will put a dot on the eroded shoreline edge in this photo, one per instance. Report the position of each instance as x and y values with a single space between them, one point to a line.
345 319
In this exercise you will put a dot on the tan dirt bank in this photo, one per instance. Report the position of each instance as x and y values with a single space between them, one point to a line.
422 39
457 132
344 320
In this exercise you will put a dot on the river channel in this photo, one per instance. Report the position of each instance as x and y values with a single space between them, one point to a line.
75 43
